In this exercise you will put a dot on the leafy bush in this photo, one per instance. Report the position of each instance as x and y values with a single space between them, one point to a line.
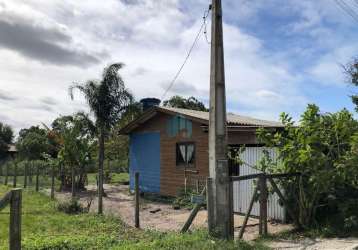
323 148
72 206
183 199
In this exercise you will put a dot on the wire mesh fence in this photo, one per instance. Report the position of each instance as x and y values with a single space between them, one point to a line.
42 217
29 174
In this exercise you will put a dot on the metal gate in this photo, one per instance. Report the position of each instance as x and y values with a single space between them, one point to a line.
243 190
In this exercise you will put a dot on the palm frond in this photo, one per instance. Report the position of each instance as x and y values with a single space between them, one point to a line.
107 98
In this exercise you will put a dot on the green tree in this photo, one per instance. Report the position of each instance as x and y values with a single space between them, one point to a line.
6 137
75 135
32 143
181 102
108 99
116 145
351 70
318 149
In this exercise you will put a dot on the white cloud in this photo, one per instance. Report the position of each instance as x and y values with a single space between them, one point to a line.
152 38
329 69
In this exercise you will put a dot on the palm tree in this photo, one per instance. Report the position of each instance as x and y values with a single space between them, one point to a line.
108 99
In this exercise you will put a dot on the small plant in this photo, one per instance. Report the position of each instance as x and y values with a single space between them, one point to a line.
72 206
107 176
183 199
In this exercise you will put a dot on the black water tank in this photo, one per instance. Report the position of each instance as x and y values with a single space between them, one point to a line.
147 103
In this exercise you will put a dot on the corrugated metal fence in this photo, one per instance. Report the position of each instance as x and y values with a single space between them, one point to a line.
243 190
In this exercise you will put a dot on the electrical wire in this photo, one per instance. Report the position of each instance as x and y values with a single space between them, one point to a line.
352 10
347 9
203 25
206 13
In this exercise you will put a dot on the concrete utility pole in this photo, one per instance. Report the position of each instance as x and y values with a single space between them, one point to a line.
220 208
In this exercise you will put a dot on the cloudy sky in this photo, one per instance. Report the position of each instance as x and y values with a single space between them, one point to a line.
280 55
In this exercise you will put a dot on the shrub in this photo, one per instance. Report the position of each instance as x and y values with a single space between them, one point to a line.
183 199
323 148
72 206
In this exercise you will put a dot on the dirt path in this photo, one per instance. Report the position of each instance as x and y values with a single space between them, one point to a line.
120 203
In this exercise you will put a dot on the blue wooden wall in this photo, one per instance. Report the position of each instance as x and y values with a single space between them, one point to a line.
144 157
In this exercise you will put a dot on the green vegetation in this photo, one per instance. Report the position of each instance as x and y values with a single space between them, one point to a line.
44 173
119 178
108 99
351 70
6 137
44 182
183 199
44 227
115 178
323 148
189 103
72 206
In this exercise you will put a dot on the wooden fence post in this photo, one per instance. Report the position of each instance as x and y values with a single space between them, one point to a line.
15 219
53 182
31 171
37 177
242 229
7 174
263 204
25 175
1 172
15 175
136 197
193 214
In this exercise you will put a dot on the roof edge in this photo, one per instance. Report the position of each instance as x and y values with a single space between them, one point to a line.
150 113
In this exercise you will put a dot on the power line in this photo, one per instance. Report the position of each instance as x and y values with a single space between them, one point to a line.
347 9
352 10
206 13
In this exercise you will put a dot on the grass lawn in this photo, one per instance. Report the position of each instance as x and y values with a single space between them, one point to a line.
44 181
43 227
117 178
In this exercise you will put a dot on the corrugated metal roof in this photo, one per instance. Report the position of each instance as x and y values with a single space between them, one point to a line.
232 119
203 117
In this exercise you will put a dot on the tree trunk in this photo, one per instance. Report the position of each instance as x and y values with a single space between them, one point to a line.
100 171
37 178
61 178
7 174
81 182
73 182
31 172
53 181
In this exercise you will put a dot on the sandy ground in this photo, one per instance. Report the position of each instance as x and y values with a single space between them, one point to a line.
120 203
